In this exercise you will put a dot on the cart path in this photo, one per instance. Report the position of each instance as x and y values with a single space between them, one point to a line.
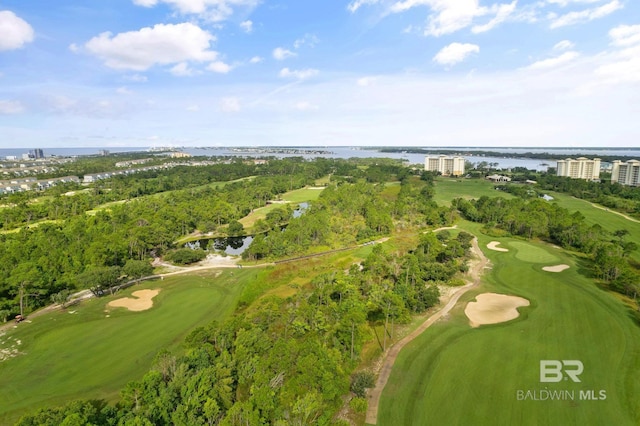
475 273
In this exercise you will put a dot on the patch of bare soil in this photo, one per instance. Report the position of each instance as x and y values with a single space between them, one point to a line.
493 245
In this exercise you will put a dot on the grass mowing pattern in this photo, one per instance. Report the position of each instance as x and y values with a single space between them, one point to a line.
453 374
88 355
530 253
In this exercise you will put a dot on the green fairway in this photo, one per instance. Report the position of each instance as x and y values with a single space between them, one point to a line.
449 188
531 253
453 374
87 352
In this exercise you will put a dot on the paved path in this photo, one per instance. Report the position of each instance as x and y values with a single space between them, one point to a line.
475 273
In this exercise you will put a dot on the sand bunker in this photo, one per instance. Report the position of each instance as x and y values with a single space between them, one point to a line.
492 308
556 268
493 245
143 300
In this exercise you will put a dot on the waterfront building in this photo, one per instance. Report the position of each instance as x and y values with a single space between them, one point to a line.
579 168
445 165
627 173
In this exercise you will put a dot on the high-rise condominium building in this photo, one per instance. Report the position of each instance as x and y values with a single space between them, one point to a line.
447 166
626 173
580 168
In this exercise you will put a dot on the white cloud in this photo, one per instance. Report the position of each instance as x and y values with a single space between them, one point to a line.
123 91
15 32
306 106
11 107
625 35
585 15
309 39
247 26
455 52
255 60
366 81
357 4
230 104
298 74
280 53
212 10
182 70
447 17
160 45
564 3
74 48
564 45
502 13
219 67
554 62
136 78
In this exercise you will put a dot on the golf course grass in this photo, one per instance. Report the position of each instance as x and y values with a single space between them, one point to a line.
87 352
453 374
449 188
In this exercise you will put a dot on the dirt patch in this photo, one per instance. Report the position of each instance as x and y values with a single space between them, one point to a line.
143 300
493 245
556 268
493 308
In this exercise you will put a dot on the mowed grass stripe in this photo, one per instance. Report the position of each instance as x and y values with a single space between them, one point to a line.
90 355
453 374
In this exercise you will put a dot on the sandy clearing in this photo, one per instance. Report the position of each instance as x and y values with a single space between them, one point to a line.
143 300
493 308
493 245
555 268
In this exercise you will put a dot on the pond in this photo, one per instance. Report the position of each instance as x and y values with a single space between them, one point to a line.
234 246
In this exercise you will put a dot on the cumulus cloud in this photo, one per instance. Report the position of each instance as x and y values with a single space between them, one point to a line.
564 45
11 107
15 32
230 104
161 45
554 62
586 15
298 74
219 67
247 26
280 53
212 10
455 52
625 35
255 60
624 66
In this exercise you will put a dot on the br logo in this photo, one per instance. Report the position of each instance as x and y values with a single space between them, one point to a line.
552 370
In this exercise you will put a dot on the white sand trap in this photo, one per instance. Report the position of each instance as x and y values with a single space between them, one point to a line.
556 268
493 245
143 300
492 308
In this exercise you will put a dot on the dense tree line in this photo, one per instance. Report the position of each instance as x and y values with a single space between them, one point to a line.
282 361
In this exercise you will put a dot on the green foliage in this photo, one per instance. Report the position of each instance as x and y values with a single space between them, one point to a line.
359 405
186 256
361 381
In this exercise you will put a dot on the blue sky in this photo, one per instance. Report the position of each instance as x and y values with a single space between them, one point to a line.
314 73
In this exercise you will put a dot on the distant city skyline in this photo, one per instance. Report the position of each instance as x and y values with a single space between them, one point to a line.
458 73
